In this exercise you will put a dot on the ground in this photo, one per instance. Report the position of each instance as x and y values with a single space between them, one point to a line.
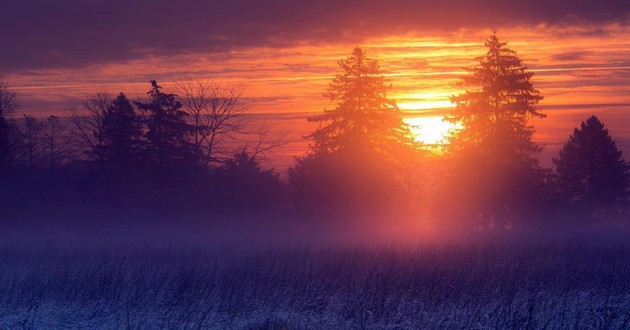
490 284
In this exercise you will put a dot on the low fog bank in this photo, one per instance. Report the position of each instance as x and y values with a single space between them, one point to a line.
290 269
289 229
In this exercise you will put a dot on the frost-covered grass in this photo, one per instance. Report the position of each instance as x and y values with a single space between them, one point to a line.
472 286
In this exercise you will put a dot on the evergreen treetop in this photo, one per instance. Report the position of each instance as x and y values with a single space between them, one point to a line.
168 133
590 168
363 118
494 109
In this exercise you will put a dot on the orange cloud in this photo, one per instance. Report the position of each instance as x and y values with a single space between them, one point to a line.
580 69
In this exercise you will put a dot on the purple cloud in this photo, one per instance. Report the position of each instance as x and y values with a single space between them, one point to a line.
39 34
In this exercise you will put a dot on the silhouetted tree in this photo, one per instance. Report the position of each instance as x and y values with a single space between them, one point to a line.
495 160
359 143
168 134
241 183
363 117
8 105
590 168
29 131
58 142
216 113
88 118
122 133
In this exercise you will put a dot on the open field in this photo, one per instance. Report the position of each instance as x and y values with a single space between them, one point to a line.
553 285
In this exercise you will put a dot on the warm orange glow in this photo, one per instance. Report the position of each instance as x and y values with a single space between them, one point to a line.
424 105
433 130
578 72
424 101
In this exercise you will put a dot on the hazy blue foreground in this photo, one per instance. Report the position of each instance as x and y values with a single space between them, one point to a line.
553 284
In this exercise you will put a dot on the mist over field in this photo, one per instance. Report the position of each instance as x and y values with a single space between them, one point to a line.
291 164
516 281
292 270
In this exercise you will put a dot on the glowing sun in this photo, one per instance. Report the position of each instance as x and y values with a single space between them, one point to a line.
433 130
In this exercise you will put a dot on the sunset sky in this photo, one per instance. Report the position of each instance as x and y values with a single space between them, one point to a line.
285 53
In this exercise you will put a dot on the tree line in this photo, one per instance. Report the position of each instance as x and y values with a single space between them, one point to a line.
168 153
186 152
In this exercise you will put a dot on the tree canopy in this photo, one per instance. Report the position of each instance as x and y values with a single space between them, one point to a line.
363 117
200 149
590 168
361 141
8 105
167 133
494 109
122 130
495 163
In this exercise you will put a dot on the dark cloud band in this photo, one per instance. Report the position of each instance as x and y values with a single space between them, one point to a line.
39 34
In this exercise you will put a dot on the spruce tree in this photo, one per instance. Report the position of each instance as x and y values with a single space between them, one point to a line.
494 109
496 171
363 117
122 130
168 133
360 142
241 183
590 169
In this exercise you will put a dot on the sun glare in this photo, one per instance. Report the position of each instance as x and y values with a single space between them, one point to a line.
431 130
425 105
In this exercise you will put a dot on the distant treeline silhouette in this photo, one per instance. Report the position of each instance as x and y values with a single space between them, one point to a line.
190 154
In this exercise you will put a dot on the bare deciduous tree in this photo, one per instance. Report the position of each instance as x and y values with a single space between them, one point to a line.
58 140
221 115
29 135
264 142
88 117
217 112
8 105
8 99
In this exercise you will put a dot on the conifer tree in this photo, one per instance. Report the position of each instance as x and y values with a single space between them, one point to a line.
494 109
496 168
122 130
242 183
168 133
590 169
363 117
360 142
